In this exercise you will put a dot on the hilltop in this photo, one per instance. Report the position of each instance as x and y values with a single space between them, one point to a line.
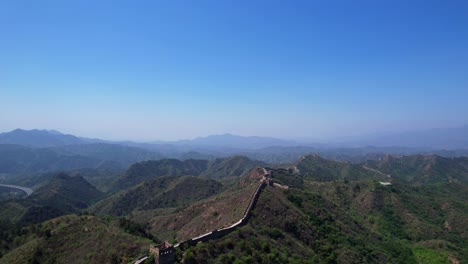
146 170
162 192
216 169
38 138
235 166
423 168
66 193
317 168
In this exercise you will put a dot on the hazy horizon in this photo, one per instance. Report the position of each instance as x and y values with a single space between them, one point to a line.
300 141
175 70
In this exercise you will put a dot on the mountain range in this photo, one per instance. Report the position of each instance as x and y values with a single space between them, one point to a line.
317 209
431 139
53 138
26 152
436 138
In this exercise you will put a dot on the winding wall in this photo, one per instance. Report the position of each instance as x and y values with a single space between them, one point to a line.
224 231
214 234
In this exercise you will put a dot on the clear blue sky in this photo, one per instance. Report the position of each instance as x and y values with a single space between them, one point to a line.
147 70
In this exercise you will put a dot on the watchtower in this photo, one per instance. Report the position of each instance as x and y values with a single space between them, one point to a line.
163 253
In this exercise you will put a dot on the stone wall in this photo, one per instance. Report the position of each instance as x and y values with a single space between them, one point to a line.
224 231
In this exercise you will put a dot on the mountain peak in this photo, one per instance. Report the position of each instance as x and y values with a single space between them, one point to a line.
38 138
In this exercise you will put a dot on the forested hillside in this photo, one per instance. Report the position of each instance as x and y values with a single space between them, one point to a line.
317 210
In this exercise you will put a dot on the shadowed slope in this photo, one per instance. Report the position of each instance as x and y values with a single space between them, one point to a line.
76 239
162 192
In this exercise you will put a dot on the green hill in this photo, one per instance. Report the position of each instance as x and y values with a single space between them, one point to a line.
230 167
330 212
356 222
66 193
21 159
317 168
162 192
216 169
423 168
146 170
216 211
63 194
73 239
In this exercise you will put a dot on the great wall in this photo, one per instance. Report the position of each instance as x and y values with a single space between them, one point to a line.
165 253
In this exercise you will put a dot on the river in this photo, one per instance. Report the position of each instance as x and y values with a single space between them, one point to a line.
28 191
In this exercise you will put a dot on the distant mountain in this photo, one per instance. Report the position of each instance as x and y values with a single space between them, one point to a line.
38 138
124 155
22 159
18 161
236 142
423 168
194 155
437 138
443 141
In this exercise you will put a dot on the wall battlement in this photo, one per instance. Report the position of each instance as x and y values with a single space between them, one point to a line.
164 253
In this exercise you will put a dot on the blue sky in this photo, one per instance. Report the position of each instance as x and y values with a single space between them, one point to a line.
147 70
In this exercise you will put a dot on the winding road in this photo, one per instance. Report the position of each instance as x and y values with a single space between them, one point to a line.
28 191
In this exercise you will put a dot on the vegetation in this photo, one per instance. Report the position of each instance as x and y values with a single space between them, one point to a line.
11 193
62 195
332 212
230 167
72 239
216 169
314 228
162 192
287 178
423 169
20 159
317 168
